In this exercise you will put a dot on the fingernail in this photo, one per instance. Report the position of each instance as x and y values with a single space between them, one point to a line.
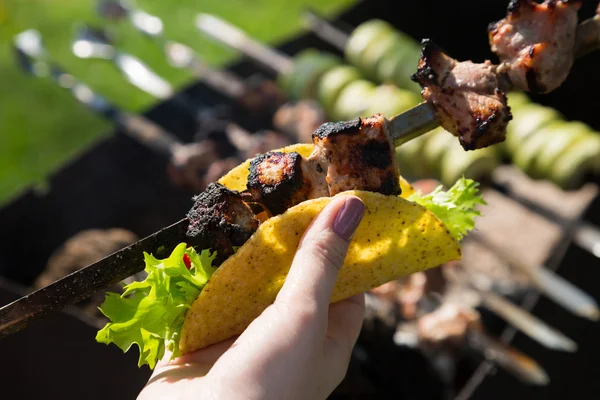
348 218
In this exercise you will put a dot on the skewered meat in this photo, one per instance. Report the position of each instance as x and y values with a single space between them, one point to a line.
447 326
189 163
406 293
81 250
466 95
356 154
220 220
299 120
535 42
282 180
261 95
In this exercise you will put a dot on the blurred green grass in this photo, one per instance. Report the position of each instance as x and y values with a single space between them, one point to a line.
42 126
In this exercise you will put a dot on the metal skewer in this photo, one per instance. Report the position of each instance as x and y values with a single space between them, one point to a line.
548 282
92 43
516 316
520 365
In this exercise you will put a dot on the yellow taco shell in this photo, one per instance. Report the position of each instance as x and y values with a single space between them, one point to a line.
395 238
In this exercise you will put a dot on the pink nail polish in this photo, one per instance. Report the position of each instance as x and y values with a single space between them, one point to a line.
348 218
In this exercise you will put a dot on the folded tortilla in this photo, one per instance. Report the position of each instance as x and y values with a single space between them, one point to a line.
395 238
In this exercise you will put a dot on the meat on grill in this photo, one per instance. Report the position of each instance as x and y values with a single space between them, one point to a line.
299 120
81 250
447 326
220 220
466 96
535 43
282 180
356 155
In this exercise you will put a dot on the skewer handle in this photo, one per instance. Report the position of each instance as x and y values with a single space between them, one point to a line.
527 323
237 39
149 134
326 30
517 363
552 285
141 76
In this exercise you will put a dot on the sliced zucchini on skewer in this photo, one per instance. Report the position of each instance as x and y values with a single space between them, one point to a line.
561 137
517 100
439 143
353 101
332 83
526 121
476 164
409 54
309 67
411 160
526 155
571 167
362 37
390 101
386 42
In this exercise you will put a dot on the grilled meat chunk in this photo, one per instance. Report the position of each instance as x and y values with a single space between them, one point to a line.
535 42
282 180
466 96
220 220
356 154
447 326
299 120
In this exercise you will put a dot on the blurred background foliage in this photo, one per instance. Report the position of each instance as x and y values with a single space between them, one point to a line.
42 126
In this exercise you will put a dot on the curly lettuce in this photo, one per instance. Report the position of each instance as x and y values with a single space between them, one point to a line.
150 313
456 207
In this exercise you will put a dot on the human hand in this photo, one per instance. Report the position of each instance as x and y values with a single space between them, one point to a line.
299 347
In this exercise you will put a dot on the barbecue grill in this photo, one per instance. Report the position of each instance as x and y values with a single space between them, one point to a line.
117 182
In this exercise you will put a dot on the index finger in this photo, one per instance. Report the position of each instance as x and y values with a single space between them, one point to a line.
320 255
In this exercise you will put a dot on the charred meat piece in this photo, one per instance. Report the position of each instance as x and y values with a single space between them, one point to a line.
219 221
407 293
282 180
536 43
466 96
261 95
356 155
447 327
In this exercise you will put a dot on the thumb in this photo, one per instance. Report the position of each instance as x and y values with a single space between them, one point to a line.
321 254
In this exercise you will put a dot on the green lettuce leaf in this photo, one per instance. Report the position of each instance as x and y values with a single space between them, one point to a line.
455 207
150 313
